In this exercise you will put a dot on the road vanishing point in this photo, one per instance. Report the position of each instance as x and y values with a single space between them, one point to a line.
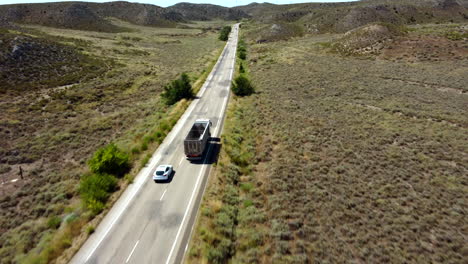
152 222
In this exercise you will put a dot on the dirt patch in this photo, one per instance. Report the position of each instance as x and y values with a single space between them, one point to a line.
369 39
438 87
424 48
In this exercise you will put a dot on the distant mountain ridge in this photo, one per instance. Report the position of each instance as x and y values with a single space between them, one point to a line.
312 17
76 15
92 16
204 12
88 16
341 17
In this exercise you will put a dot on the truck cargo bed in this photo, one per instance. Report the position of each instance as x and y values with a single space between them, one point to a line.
196 131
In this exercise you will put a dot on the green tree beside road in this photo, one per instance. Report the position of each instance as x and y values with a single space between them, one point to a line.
177 90
224 33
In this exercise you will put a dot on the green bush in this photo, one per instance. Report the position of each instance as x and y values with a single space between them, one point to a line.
177 90
241 43
221 253
246 186
224 33
242 50
135 150
242 55
95 189
54 222
453 35
241 68
144 146
242 86
109 160
90 230
145 160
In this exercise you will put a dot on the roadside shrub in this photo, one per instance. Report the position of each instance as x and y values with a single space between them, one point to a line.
135 150
241 50
95 189
144 146
221 253
241 45
90 230
453 35
224 33
129 178
145 160
177 90
242 86
241 68
109 160
242 55
54 222
246 187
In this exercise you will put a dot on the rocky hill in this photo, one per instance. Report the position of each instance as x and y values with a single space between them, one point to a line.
38 62
140 14
93 16
64 15
204 12
89 16
341 17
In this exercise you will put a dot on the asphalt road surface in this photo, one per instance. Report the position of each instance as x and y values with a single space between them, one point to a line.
152 222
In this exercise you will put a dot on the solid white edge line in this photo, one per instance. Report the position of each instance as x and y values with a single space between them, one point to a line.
112 225
186 212
181 159
178 126
162 196
131 253
198 180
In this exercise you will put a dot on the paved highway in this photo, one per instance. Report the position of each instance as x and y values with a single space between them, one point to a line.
152 223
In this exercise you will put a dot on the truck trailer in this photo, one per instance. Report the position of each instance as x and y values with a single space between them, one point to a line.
197 139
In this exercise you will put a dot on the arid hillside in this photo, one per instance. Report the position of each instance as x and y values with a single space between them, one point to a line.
65 93
352 150
341 17
205 12
94 16
31 63
89 16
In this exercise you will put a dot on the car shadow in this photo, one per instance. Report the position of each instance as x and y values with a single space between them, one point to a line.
211 156
169 179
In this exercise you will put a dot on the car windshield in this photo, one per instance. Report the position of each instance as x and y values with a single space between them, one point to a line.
159 172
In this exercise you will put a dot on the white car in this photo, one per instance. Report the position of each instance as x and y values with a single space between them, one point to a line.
162 173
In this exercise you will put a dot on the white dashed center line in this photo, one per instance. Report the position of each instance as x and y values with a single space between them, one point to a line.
162 196
131 253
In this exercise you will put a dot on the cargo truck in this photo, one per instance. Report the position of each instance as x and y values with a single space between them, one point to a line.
197 139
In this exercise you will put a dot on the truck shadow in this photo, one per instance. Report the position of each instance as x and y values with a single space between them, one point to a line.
214 147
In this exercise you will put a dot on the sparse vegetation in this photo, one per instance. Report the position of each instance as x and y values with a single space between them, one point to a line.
51 130
42 63
353 158
454 35
333 159
228 200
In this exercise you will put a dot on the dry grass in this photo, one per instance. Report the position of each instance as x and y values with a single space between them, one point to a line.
50 132
355 160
